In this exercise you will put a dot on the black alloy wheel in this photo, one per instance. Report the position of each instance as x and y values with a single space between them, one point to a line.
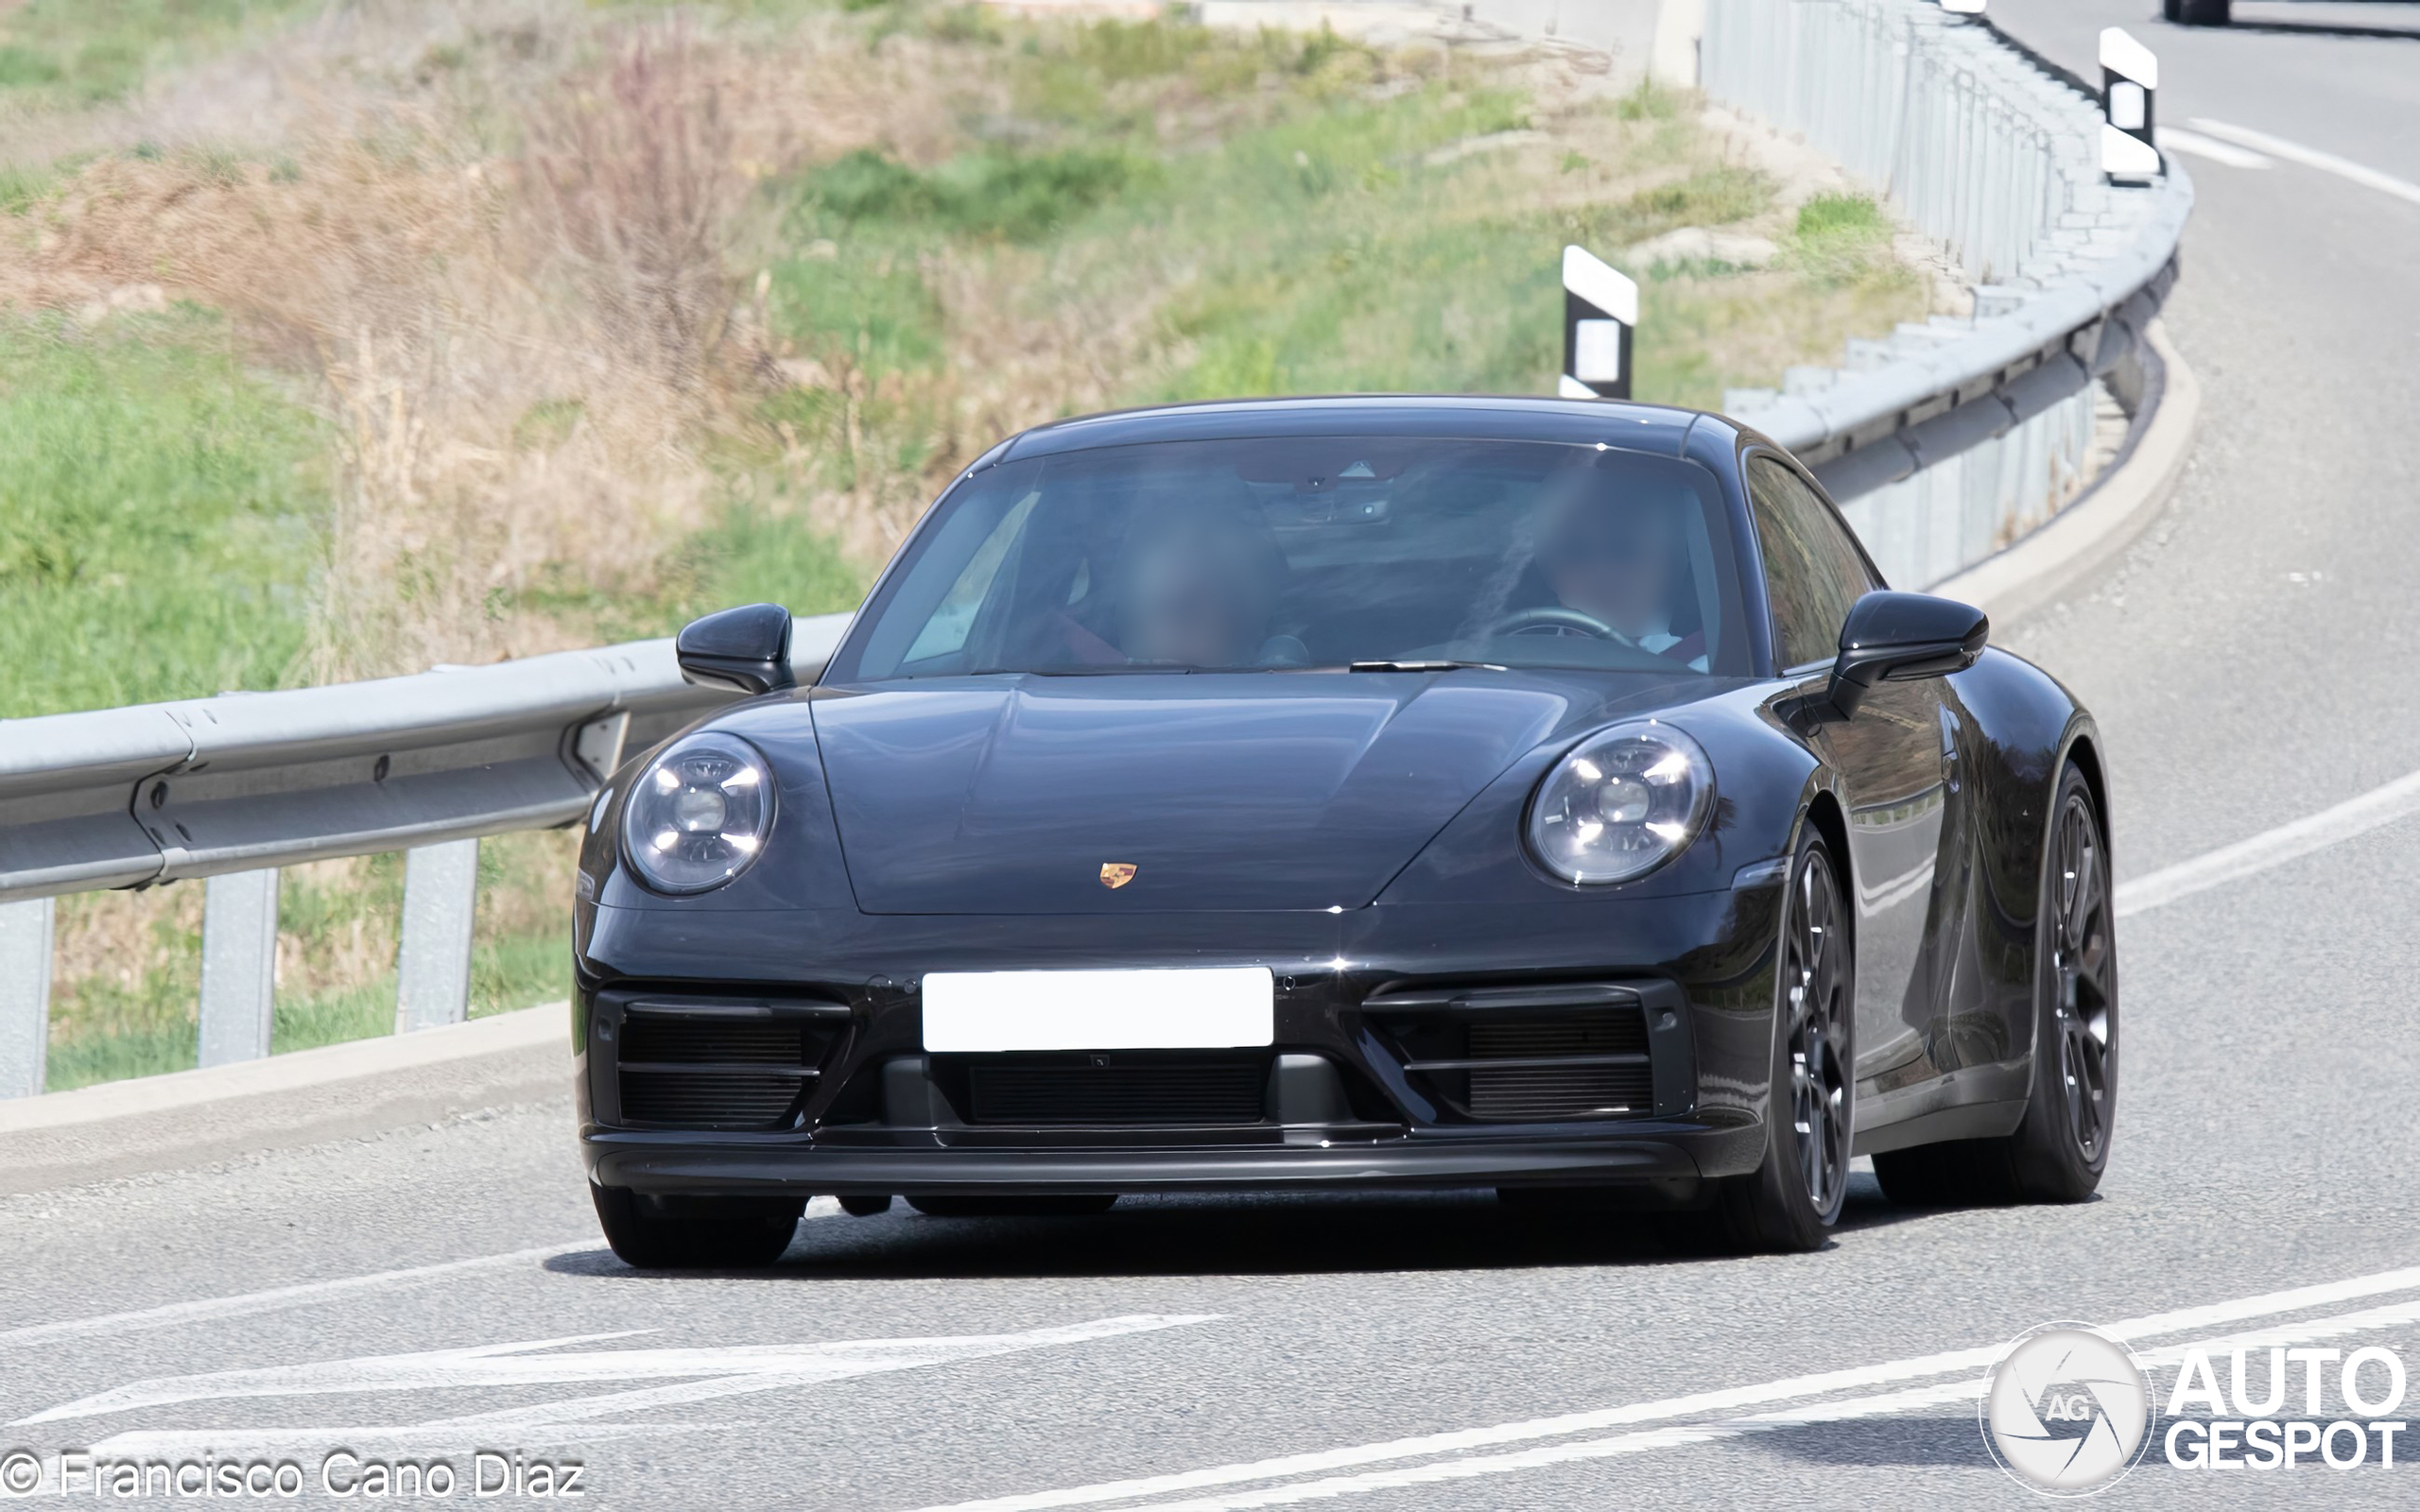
1816 993
1790 1202
2084 1006
2060 1145
2059 1150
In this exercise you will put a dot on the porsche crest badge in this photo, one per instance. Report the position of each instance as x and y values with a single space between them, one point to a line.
1117 874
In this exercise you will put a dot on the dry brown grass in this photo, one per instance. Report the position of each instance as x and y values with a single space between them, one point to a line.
510 292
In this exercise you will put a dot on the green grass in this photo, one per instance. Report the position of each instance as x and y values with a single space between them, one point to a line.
158 514
1321 250
1411 301
107 1026
65 53
1842 238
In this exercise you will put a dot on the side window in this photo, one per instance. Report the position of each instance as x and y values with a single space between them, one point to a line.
1812 570
946 633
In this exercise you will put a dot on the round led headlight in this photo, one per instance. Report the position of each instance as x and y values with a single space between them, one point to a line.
1624 802
698 814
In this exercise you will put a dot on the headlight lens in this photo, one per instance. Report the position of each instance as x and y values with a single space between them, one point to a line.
698 815
1626 800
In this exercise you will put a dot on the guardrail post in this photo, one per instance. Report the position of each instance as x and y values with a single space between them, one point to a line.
2128 76
238 966
1599 310
24 995
433 969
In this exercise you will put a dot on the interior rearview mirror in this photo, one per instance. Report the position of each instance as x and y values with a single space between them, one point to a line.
746 648
1900 637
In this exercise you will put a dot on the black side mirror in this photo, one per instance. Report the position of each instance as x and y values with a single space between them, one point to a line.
746 648
1901 637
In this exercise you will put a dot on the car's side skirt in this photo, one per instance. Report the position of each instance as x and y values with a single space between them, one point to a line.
1965 1120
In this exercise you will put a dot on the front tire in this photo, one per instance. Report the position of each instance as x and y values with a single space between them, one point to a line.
2061 1146
1790 1201
732 1234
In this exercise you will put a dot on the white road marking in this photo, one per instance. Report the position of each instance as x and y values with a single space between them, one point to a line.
1966 1364
692 1375
306 1294
1961 1392
2176 138
276 1298
2278 146
2271 848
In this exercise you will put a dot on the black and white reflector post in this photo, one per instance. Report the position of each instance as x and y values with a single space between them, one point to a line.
1599 310
2129 74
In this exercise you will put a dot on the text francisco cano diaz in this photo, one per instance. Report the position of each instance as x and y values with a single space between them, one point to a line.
484 1475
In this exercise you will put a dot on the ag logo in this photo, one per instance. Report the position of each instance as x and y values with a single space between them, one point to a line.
1117 874
2067 1410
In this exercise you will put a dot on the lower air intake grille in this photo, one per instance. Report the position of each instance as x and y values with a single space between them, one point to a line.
1600 1032
751 1041
1561 1091
1583 1091
1145 1096
1536 1053
716 1099
710 1070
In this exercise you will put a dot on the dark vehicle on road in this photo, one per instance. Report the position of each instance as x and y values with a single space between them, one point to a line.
1536 795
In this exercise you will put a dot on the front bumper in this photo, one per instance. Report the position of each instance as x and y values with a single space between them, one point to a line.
1349 1099
1672 1157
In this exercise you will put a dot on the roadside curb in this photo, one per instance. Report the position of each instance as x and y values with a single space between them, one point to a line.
2091 532
364 1087
548 1023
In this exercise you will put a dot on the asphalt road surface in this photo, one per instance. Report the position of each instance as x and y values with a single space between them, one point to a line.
424 1295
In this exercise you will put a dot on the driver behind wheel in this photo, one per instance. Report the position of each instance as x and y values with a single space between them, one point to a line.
1622 560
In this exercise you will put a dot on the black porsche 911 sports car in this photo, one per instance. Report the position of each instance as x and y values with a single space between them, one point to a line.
1536 795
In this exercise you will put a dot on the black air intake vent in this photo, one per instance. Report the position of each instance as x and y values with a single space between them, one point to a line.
1213 1093
1524 1055
694 1041
713 1099
1582 1086
716 1066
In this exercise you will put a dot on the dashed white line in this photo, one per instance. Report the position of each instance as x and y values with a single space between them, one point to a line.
2270 848
2278 146
1964 1364
2176 138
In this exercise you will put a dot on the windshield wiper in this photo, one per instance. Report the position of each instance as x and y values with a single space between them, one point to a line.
1423 665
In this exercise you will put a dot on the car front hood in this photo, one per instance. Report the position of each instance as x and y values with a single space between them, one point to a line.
1221 791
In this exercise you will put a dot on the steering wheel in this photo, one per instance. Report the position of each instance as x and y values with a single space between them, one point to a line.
1555 616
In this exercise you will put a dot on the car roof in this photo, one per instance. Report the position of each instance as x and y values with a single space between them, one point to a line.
1654 428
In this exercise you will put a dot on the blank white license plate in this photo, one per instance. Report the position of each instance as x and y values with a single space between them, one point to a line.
1190 1008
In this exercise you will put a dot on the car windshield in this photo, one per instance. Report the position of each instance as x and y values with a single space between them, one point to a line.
1366 552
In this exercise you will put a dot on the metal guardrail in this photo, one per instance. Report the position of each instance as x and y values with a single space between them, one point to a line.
1995 155
234 787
